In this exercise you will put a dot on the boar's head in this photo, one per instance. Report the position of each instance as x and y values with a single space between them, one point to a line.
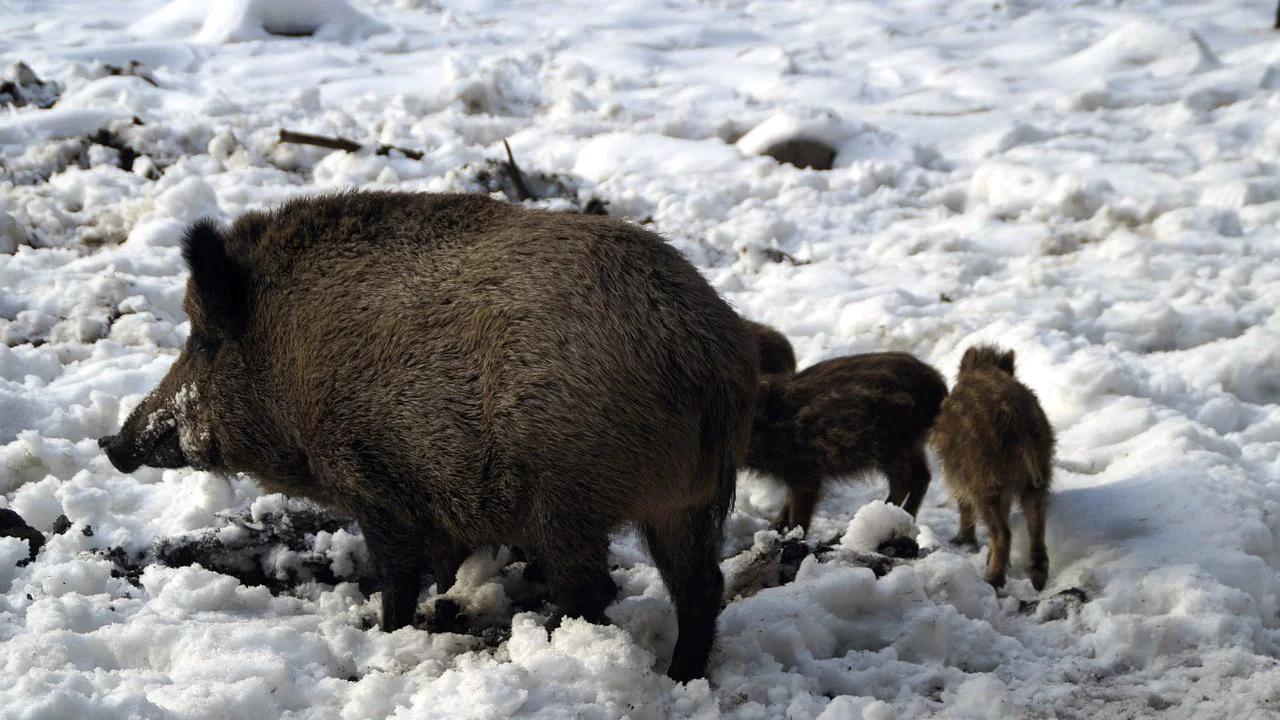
202 410
987 356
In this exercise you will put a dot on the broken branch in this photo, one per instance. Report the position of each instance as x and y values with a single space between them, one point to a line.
522 190
341 143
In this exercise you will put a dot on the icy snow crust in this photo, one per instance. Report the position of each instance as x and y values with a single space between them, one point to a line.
1091 183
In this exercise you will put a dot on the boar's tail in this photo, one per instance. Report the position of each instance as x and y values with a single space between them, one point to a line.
720 459
726 485
727 433
1037 471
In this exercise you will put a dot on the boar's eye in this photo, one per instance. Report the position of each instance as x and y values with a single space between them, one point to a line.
206 346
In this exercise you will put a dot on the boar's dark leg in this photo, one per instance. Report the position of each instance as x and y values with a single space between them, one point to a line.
909 480
576 561
686 549
446 557
397 552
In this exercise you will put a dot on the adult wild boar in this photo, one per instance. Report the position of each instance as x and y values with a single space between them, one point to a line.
456 372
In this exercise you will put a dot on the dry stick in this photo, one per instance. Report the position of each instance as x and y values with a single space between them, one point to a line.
340 143
522 191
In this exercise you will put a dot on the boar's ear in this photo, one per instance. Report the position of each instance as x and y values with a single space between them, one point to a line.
969 359
221 283
1005 361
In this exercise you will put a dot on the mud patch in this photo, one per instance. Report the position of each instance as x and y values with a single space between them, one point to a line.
277 551
1058 606
20 87
120 144
556 190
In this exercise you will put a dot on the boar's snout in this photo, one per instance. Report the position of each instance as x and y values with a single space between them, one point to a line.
128 453
119 453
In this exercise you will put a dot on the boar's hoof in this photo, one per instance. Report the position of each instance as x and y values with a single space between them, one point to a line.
1039 575
684 667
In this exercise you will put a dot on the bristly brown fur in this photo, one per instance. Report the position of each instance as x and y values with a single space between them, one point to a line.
844 417
776 354
457 372
996 445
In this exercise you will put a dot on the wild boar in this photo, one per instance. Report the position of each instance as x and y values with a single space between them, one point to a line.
996 444
844 417
776 354
455 372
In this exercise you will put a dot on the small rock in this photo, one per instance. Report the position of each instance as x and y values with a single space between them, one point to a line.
20 86
12 525
803 153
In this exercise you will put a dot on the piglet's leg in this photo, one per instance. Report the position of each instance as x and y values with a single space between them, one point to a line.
995 515
967 535
908 476
1035 506
802 497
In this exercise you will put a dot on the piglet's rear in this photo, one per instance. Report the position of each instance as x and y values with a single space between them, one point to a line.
996 447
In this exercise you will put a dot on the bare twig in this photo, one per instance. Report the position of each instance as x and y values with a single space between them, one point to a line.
333 143
517 178
133 69
776 255
341 143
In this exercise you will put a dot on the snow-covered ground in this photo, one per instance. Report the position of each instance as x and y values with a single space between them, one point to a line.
1092 183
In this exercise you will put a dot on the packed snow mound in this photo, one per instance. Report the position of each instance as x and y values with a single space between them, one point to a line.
54 123
852 140
1154 47
875 524
241 20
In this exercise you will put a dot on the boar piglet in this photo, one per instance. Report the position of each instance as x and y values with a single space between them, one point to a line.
996 445
776 354
846 417
456 372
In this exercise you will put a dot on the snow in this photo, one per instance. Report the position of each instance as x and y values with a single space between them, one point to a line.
241 20
876 523
1089 183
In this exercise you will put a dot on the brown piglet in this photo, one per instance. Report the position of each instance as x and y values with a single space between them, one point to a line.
996 445
845 417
